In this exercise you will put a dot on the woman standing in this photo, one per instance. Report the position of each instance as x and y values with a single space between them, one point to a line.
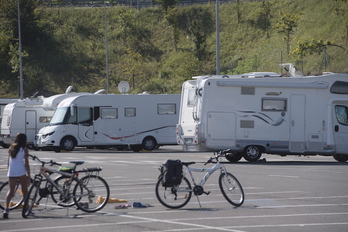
18 169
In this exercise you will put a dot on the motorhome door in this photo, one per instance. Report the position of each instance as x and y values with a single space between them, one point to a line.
297 123
85 124
30 125
340 123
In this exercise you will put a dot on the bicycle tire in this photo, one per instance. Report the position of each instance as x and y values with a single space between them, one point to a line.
30 200
16 200
231 189
91 193
170 197
59 199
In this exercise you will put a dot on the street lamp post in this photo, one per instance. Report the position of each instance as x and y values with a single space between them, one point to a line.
217 39
20 53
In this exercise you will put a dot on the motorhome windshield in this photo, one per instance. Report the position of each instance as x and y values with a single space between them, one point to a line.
63 116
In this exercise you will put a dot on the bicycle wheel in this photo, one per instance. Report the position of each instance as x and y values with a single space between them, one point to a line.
231 189
65 199
174 197
91 193
30 200
16 200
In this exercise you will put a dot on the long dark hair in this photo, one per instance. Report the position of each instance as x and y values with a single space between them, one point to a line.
19 142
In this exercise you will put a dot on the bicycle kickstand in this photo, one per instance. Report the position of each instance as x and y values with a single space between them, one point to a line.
199 202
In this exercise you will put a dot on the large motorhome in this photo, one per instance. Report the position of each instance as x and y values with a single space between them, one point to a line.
257 113
140 121
30 115
3 103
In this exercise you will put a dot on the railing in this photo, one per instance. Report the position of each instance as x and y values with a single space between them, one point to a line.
132 3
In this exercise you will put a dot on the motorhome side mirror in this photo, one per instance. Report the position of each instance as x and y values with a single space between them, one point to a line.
72 109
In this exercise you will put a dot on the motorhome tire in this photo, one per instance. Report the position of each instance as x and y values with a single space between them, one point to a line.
4 145
57 149
120 147
341 158
234 157
149 143
252 153
68 143
136 148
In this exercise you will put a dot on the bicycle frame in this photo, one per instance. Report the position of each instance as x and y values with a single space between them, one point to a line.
44 172
209 172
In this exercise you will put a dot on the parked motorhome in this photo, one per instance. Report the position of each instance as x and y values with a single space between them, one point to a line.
30 115
25 116
140 121
3 103
257 113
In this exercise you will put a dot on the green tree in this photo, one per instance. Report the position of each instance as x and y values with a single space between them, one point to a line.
167 4
286 25
197 24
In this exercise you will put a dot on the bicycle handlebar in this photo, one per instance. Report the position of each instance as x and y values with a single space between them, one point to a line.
217 155
51 162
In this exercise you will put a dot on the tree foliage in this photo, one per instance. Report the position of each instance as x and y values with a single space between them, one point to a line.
157 51
197 24
286 25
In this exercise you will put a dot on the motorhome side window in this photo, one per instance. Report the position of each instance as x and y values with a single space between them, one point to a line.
342 114
109 113
273 104
129 112
166 108
45 119
191 97
339 87
84 115
72 117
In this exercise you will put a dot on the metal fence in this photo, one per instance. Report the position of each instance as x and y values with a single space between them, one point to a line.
131 3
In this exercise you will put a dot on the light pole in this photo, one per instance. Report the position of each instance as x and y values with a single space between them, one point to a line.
217 39
20 53
106 50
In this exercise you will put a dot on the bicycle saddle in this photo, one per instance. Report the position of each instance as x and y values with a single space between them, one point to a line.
77 162
187 163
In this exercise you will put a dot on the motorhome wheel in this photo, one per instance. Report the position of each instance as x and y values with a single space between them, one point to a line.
234 157
68 143
341 158
252 153
149 143
136 148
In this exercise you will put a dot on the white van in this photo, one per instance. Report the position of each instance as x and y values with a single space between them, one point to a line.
263 112
142 121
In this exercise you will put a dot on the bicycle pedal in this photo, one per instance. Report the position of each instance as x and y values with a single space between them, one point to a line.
206 193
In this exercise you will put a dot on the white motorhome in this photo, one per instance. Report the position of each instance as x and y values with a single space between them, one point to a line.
3 103
142 121
257 113
30 115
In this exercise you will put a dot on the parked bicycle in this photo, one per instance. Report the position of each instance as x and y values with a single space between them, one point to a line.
89 193
177 195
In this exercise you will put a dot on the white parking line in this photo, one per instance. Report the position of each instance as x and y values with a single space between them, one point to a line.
182 223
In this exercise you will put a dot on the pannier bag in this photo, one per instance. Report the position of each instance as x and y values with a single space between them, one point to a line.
172 173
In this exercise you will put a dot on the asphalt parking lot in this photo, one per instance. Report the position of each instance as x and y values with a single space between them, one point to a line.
281 194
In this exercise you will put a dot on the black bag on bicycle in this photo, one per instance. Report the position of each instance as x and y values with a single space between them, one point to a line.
172 173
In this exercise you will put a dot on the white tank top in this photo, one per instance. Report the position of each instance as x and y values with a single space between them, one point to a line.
17 165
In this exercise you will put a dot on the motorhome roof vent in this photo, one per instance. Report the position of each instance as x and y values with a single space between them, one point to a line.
291 70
